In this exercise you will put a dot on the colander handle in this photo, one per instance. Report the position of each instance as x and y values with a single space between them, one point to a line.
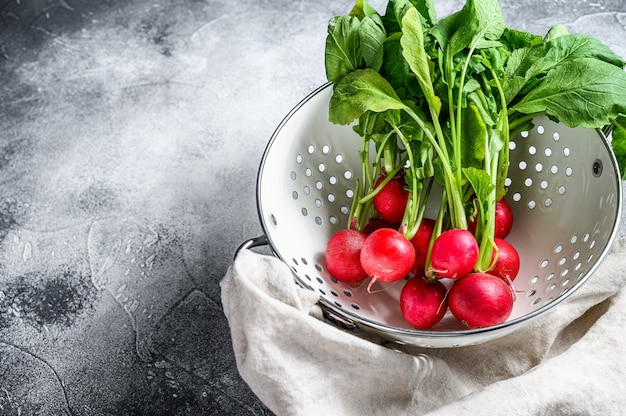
330 316
253 242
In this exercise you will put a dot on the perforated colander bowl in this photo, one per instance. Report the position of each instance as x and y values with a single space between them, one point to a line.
564 188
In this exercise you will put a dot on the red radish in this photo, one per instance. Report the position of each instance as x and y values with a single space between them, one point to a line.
479 300
504 219
375 223
423 303
454 253
420 242
387 255
343 256
390 202
508 263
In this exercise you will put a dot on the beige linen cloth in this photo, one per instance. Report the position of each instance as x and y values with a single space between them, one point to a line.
571 361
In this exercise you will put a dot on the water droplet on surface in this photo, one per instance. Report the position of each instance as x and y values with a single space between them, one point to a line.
132 307
28 252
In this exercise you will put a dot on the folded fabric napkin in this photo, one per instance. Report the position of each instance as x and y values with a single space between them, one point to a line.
569 361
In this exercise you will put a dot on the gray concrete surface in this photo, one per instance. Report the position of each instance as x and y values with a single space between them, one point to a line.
130 137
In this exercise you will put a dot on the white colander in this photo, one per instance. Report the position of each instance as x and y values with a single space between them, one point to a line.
564 189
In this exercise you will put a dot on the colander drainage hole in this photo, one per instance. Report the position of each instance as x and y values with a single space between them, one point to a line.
355 306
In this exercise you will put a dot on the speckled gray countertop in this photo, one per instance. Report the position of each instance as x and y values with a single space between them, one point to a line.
130 138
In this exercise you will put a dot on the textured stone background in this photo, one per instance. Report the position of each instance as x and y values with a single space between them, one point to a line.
130 137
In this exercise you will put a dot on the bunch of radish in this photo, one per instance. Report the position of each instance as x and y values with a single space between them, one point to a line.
434 254
437 101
